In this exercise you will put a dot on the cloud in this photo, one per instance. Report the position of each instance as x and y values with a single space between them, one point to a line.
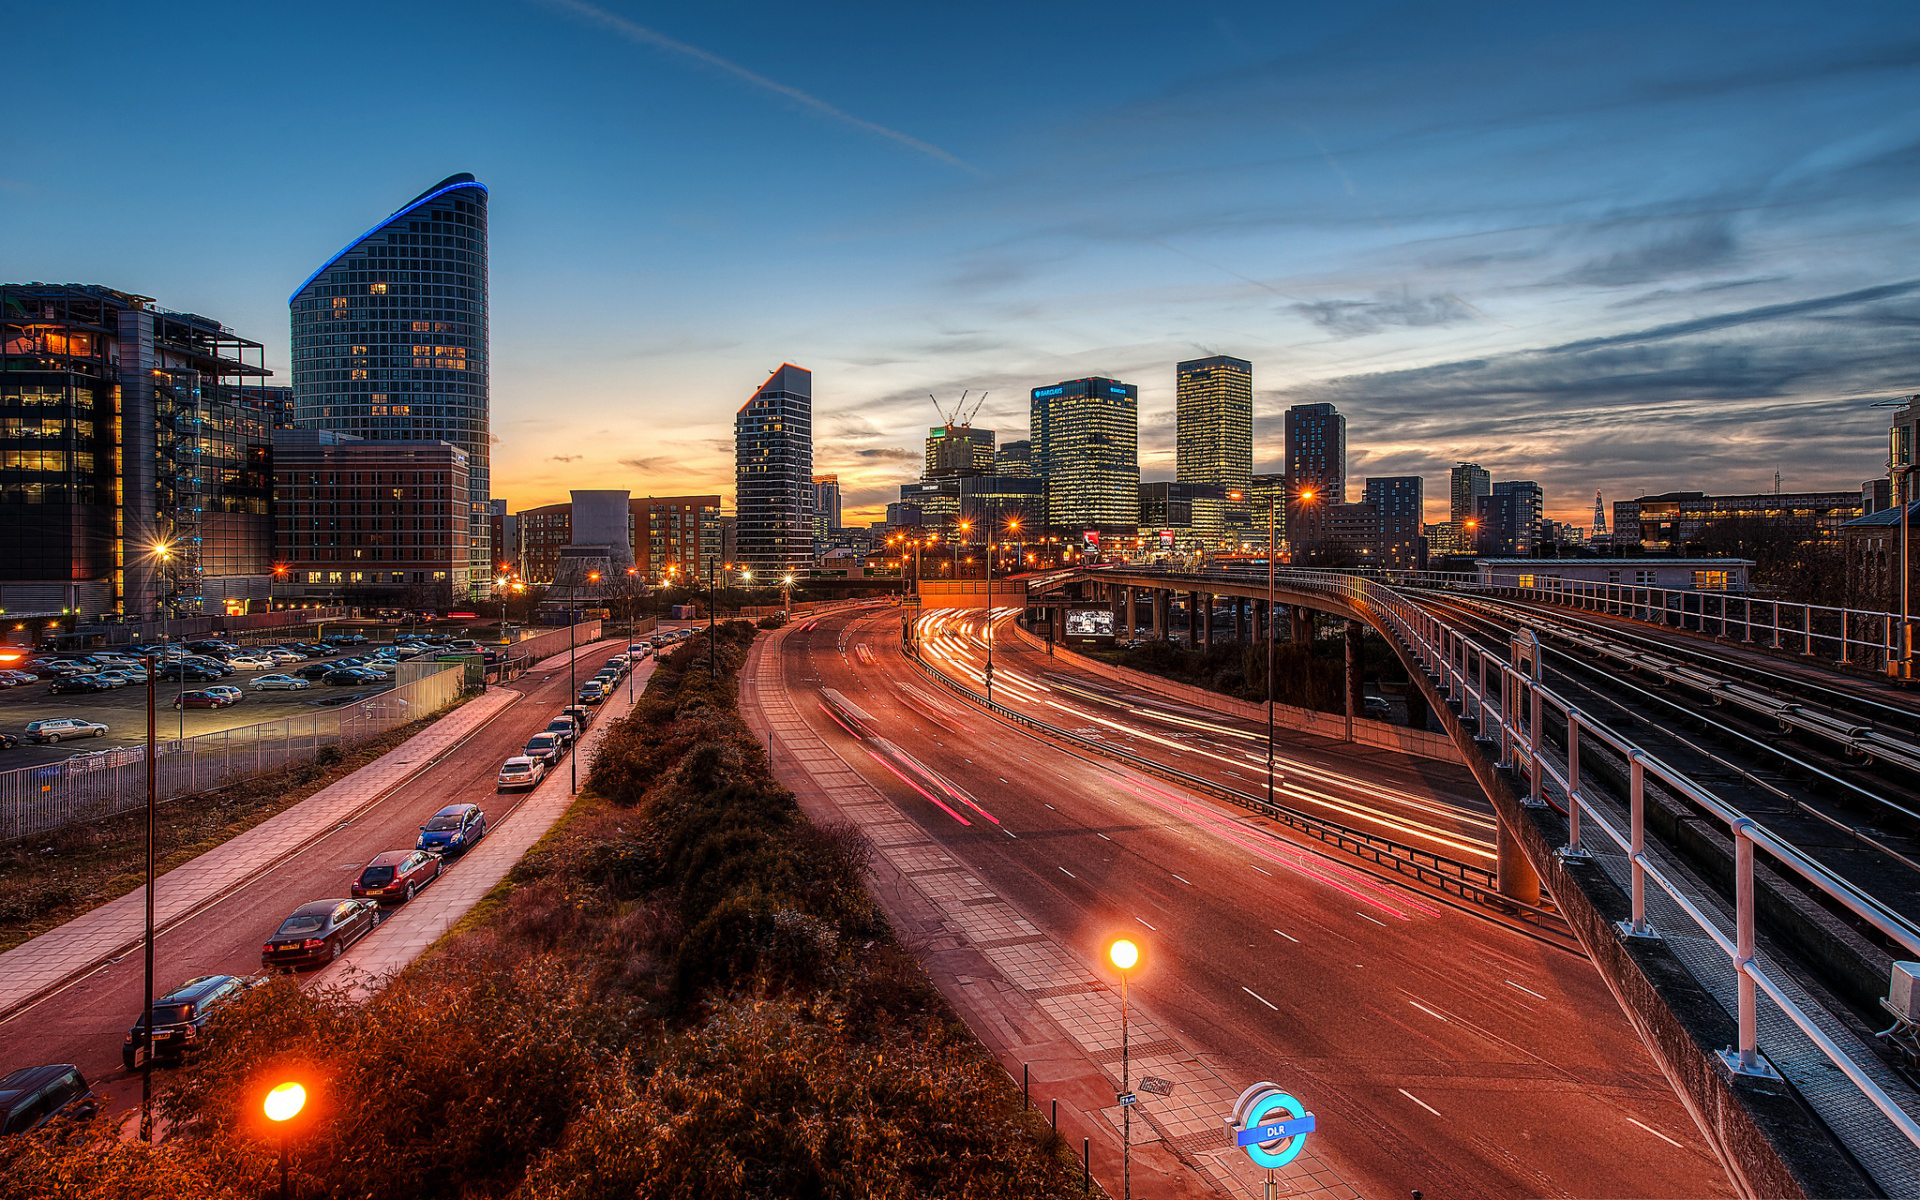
1357 318
891 454
564 458
1702 246
647 465
649 37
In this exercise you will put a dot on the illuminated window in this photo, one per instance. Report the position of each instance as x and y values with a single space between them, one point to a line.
1526 581
378 289
1709 581
339 307
358 374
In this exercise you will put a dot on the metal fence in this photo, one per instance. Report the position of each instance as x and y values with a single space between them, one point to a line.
90 786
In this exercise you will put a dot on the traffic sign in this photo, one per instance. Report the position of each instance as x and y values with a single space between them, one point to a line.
1270 1125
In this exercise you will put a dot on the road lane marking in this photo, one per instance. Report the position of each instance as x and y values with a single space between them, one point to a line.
1002 781
1289 937
1423 1008
1365 917
1423 1104
1268 874
1050 806
1270 1004
1010 833
1144 923
1655 1132
1188 882
1068 874
1103 837
1529 991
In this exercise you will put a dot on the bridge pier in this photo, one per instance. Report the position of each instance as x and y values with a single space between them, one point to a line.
1302 621
1355 660
1518 880
1162 606
1193 619
1262 621
1204 612
1240 620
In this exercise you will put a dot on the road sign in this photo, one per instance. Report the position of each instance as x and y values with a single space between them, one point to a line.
1127 1098
1270 1125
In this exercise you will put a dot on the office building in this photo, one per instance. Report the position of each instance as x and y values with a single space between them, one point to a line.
1398 504
1440 539
1183 516
1086 448
826 509
1469 482
957 450
1014 459
1214 429
1669 522
123 427
773 473
1266 500
390 340
663 538
362 520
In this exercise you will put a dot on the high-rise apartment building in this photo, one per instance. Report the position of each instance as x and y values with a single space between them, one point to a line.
1214 420
826 508
773 473
1317 452
125 427
1398 503
1508 520
390 340
1469 482
955 451
1086 448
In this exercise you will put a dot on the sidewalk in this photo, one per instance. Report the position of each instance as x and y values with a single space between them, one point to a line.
406 934
585 652
30 970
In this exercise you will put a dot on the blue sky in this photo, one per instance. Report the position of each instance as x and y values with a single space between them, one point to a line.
1625 246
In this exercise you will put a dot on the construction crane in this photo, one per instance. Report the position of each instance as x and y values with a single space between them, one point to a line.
961 415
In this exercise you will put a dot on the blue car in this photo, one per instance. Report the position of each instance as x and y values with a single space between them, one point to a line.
453 829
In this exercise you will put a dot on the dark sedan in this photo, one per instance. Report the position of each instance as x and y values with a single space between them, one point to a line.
33 1096
352 677
179 1017
188 673
546 747
393 877
316 933
200 700
315 670
79 683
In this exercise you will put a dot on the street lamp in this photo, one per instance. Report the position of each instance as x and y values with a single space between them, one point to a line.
1125 956
573 621
1273 526
282 1105
279 572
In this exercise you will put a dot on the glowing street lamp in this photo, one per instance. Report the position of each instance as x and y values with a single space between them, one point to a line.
1124 954
282 1105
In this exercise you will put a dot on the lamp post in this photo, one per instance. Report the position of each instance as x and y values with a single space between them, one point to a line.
279 572
989 605
712 673
573 620
1125 956
786 595
1273 526
145 1046
282 1105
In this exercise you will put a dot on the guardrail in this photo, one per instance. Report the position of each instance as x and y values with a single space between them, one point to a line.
1511 710
90 786
1446 875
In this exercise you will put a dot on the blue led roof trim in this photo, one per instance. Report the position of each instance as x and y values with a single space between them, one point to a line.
344 250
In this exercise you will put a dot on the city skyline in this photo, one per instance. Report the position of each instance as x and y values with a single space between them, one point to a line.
1706 279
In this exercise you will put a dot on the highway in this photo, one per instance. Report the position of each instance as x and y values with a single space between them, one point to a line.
85 1022
1442 1051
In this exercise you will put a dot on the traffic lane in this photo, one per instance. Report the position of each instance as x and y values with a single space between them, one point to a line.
1409 800
86 1023
1518 1045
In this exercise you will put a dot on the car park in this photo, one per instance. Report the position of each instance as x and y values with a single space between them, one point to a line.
32 1096
281 683
180 1017
395 875
547 747
520 771
200 699
453 830
58 729
314 934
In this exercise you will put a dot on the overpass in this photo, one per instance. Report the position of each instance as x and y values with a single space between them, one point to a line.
1738 942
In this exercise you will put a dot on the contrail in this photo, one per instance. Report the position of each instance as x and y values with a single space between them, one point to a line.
648 37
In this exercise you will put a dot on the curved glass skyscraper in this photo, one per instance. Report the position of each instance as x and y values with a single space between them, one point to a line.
390 341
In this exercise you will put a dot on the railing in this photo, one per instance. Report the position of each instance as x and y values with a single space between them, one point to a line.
91 786
1511 710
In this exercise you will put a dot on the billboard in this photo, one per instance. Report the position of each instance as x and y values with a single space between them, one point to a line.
1166 539
1091 538
1089 622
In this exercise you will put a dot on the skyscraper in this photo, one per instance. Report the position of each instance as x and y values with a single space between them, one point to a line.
956 451
390 342
1086 448
1470 481
1317 452
1014 459
773 473
1214 416
826 508
1397 502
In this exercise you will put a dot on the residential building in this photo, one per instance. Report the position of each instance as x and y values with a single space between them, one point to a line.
1507 522
1903 443
1671 521
1086 443
1214 434
957 450
390 341
369 519
125 427
826 509
499 522
1014 458
1872 549
543 531
1468 483
1398 502
1530 501
773 473
662 538
1440 539
1317 452
673 536
1875 494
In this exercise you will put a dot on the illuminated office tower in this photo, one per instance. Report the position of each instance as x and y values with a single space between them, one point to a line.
1214 415
773 473
1086 449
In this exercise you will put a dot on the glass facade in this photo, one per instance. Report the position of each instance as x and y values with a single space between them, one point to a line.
390 342
773 473
1214 418
1086 448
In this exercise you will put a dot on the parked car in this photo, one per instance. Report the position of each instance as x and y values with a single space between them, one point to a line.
315 670
591 693
33 1096
316 933
132 675
565 727
283 658
233 694
281 683
350 639
79 684
9 679
8 741
252 662
395 875
179 1017
520 771
56 729
547 747
202 699
453 830
1376 708
188 673
352 677
581 714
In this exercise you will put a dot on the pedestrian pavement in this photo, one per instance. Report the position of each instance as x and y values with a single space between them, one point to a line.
584 651
421 921
38 966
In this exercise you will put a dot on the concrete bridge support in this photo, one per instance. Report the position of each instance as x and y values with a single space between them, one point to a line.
1162 606
1193 620
1355 660
1302 619
1262 621
1240 607
1124 604
1203 611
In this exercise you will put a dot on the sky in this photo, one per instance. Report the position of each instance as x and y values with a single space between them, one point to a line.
1624 247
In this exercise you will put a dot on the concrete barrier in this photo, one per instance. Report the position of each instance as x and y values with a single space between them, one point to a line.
1416 742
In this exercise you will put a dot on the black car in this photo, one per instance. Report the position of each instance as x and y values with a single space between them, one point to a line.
8 741
79 683
179 1017
189 673
316 933
581 714
32 1096
352 677
565 729
350 639
314 670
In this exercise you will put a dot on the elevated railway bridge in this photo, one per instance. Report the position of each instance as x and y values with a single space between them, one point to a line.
1721 794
